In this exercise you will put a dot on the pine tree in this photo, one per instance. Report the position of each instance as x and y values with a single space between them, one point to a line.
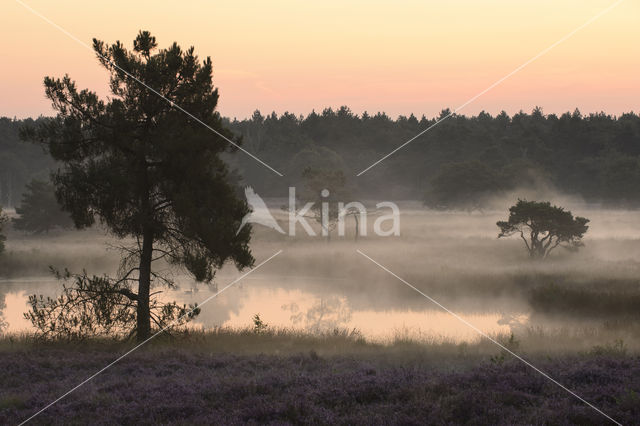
144 168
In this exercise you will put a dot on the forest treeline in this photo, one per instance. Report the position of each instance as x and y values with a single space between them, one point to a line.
596 156
455 164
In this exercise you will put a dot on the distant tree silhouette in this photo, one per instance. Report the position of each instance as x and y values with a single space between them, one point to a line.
19 162
39 210
325 188
145 169
543 227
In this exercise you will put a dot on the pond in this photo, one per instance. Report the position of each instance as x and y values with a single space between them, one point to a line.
283 307
318 286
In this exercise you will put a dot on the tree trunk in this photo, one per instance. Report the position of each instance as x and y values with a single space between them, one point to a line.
143 317
355 216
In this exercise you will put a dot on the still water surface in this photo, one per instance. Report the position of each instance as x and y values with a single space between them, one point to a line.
284 307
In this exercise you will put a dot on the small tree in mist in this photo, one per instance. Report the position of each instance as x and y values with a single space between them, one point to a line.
543 227
39 210
145 169
328 187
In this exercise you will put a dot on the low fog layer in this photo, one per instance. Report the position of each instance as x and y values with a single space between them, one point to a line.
454 257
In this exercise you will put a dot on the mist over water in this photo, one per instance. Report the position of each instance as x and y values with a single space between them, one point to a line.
319 285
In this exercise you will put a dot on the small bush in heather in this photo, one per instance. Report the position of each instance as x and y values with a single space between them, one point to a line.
259 326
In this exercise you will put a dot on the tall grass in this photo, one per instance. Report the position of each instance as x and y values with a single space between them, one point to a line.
533 342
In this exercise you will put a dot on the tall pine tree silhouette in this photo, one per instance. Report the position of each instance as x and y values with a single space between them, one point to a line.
145 169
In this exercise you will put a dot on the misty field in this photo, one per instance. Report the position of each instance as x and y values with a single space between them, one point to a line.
343 341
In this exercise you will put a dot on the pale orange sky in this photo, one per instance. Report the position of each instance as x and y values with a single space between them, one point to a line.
399 57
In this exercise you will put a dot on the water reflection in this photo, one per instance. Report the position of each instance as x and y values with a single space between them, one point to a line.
297 309
323 315
12 316
3 305
453 257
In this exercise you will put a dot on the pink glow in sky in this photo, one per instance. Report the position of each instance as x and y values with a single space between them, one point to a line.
400 57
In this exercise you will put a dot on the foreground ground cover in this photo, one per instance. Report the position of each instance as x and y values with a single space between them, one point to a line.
168 383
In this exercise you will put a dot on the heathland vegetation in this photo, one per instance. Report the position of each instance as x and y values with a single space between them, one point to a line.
244 377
